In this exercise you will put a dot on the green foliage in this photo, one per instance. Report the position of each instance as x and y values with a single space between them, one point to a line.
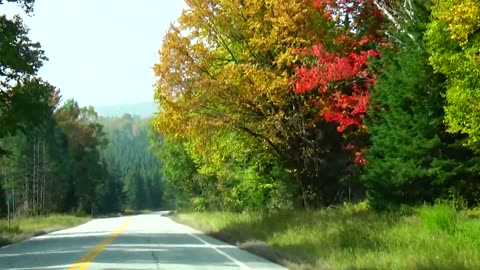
23 99
85 139
412 158
14 39
240 167
30 103
3 199
178 171
132 166
228 171
224 87
56 165
453 41
49 157
134 187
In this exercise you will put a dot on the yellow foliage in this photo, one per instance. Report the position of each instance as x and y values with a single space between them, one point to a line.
453 41
225 65
462 17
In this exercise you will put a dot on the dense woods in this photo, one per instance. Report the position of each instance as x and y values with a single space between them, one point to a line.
281 104
134 168
263 105
58 157
79 163
274 119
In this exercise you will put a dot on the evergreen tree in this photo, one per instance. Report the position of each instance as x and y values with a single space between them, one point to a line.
134 187
412 159
129 158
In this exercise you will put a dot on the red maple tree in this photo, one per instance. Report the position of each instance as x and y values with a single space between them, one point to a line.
338 82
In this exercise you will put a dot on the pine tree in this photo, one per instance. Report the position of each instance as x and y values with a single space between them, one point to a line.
412 159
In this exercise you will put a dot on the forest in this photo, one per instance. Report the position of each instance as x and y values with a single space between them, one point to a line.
304 104
58 157
319 134
129 160
263 105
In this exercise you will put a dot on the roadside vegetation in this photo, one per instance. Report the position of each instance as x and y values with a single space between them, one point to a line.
23 228
307 104
352 237
326 129
280 110
59 157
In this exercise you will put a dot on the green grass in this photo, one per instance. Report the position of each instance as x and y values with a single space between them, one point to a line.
353 237
26 227
137 212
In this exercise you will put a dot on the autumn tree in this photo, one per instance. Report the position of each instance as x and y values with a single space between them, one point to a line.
333 80
453 41
335 77
226 66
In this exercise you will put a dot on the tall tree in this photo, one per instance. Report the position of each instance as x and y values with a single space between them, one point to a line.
453 41
85 138
225 69
412 159
20 60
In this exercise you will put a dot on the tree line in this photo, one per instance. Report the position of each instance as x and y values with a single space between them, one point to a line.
60 157
131 162
278 104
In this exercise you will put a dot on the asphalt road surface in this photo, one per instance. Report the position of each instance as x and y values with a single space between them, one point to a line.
137 242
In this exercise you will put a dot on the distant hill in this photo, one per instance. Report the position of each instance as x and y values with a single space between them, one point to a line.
143 109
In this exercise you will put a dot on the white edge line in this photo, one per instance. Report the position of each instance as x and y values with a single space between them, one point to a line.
239 263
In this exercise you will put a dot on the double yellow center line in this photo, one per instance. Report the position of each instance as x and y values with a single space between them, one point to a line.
88 257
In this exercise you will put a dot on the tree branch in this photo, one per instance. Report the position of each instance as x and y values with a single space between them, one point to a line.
256 135
390 14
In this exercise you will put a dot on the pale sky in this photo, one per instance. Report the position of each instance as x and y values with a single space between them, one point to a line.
101 52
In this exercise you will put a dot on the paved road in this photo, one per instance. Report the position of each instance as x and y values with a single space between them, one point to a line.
137 242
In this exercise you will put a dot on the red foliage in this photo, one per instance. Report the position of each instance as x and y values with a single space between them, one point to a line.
341 82
338 82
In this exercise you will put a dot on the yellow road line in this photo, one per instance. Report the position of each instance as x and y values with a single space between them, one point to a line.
88 257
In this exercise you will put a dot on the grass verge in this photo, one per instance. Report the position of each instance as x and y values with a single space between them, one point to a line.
130 212
352 237
27 227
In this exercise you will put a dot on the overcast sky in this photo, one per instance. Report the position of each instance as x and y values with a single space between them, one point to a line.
101 52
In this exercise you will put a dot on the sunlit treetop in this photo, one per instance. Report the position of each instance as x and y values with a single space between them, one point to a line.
453 41
226 65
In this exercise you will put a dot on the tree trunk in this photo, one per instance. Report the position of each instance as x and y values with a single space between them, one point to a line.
304 194
26 198
43 176
13 203
34 176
